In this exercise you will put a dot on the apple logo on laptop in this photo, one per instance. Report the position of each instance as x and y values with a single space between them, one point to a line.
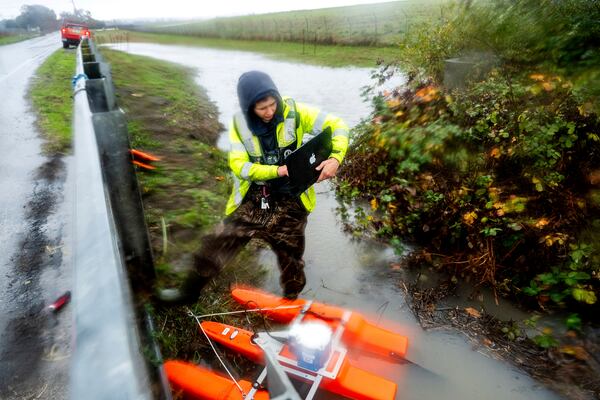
312 158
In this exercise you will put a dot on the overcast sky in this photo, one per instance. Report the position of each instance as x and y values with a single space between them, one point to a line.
128 9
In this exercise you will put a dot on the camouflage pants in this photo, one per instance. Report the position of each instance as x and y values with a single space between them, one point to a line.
281 226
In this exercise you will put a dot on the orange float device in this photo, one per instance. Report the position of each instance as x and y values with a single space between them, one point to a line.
295 354
341 377
358 332
198 383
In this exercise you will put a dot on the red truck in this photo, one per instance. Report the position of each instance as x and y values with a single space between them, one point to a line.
72 33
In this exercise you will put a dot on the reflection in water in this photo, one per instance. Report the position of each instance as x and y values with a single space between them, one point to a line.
343 271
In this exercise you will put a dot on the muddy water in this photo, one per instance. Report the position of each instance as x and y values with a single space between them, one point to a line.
349 272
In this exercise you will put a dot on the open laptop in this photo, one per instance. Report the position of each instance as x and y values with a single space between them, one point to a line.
302 162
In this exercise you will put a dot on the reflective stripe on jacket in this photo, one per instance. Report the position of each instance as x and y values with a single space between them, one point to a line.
245 151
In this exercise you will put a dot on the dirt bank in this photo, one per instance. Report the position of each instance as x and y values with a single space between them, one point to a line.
571 368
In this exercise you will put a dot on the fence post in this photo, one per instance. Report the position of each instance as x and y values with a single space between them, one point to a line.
303 39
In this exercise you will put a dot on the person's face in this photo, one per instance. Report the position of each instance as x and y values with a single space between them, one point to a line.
265 108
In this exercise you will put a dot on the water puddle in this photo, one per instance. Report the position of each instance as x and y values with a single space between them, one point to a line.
340 269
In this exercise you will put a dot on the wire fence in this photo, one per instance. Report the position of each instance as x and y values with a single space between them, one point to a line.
380 24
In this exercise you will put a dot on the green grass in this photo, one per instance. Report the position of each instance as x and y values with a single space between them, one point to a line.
171 117
372 24
9 39
50 93
179 336
327 55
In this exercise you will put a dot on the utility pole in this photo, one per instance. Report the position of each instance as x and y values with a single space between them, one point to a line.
74 8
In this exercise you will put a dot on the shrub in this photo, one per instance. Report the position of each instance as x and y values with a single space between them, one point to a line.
497 181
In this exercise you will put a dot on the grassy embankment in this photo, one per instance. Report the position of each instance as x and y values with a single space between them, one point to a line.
381 24
50 93
9 39
327 55
169 116
359 36
341 36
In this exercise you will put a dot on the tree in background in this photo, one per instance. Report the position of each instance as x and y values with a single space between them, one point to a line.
37 16
44 19
7 26
83 17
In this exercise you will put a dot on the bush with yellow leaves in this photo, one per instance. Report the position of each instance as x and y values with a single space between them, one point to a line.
497 181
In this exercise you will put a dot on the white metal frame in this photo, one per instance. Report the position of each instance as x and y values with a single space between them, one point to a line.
274 342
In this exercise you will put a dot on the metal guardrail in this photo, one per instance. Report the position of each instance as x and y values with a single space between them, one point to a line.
112 254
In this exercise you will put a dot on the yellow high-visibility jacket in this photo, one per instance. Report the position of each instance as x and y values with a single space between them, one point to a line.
245 151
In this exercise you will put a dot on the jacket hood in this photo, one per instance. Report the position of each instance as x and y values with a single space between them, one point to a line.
252 87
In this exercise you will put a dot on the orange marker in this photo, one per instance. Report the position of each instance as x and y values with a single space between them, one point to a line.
143 156
142 165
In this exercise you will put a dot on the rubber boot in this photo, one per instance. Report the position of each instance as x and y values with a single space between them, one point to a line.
187 293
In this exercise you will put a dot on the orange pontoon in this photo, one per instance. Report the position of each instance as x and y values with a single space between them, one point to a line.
197 383
344 379
332 371
358 333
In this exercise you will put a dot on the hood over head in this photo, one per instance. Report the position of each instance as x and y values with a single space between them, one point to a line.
252 87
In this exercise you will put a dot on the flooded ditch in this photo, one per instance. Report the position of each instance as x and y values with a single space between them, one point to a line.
344 270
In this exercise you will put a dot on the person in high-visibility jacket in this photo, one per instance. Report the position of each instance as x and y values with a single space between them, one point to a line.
261 204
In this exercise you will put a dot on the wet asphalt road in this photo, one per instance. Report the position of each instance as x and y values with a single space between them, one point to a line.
34 262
